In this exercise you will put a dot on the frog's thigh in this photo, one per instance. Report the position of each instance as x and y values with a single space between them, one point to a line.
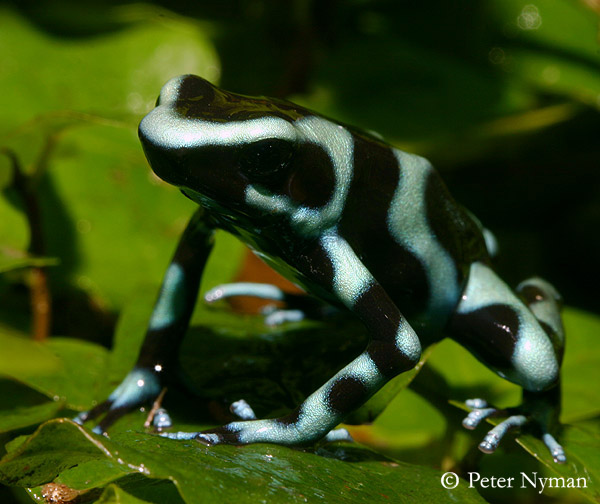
503 333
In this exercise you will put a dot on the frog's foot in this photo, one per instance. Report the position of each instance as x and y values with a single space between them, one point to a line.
233 434
275 316
258 290
139 386
251 430
161 419
481 410
244 411
556 450
297 306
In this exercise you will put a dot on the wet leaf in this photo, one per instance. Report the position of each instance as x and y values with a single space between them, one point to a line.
581 442
243 474
62 369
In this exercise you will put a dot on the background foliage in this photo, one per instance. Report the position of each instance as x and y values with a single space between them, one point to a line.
502 95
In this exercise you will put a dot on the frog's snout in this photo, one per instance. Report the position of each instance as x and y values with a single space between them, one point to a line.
186 88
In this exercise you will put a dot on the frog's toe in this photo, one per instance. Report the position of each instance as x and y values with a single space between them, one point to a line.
480 411
258 290
162 419
275 316
474 418
492 439
242 410
556 450
208 439
340 434
476 403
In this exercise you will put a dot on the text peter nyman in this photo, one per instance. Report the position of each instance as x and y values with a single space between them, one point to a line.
524 480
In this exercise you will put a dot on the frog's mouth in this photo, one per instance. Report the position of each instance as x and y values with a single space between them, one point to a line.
201 199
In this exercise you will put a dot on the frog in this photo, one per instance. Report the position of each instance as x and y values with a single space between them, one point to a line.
358 225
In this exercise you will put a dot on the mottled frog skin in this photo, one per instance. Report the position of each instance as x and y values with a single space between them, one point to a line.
357 224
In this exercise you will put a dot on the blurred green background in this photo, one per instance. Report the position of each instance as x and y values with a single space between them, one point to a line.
503 96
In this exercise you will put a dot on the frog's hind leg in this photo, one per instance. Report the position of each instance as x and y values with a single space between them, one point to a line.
520 337
297 306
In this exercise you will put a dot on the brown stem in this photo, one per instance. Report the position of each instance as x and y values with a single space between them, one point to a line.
40 303
40 293
155 407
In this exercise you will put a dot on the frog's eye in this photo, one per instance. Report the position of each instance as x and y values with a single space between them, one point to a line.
265 159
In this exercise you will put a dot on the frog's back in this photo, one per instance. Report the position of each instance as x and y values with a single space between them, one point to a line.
402 222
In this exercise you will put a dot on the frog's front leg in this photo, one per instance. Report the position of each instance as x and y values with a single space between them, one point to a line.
394 348
157 361
521 343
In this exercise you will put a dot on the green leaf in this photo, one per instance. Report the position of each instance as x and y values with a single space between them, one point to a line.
552 45
59 493
409 422
581 442
63 369
152 46
6 171
241 474
581 399
21 407
115 495
384 397
21 357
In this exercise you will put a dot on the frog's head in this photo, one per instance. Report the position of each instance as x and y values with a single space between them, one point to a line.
244 155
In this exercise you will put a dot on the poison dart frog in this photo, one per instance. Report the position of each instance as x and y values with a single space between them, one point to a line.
359 225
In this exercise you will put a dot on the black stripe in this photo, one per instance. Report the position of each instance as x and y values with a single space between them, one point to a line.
312 179
227 436
199 99
346 394
291 418
316 266
388 358
455 230
379 313
364 226
308 178
491 333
